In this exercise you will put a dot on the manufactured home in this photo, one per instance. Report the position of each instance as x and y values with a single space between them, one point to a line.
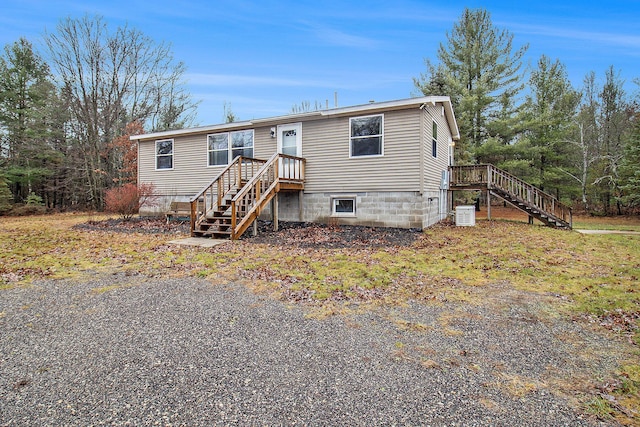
379 164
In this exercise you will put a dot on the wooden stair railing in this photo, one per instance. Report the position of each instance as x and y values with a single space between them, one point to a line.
213 196
519 193
230 203
280 170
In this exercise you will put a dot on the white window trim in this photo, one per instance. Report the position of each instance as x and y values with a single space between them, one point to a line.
209 151
229 145
335 214
173 154
434 140
351 156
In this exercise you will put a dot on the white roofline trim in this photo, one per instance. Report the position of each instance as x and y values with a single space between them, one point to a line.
364 108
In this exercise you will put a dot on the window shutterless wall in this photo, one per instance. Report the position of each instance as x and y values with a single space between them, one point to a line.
326 143
330 168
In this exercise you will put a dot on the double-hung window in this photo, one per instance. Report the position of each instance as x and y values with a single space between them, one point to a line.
366 136
164 154
218 149
242 144
224 147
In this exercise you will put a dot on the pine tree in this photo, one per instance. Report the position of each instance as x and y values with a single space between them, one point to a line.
26 93
480 69
6 198
549 115
630 168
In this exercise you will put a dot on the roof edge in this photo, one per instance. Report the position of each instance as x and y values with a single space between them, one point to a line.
363 108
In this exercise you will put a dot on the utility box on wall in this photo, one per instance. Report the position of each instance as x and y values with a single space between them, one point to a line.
465 216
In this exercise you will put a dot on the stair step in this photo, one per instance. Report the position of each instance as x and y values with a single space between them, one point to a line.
216 233
213 230
218 219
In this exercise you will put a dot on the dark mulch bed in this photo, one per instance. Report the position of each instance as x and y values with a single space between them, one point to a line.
146 225
309 235
300 234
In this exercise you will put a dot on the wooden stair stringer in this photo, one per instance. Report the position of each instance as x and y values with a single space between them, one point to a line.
255 211
546 218
522 195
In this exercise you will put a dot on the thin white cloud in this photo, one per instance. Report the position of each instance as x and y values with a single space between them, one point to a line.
226 80
351 81
619 40
340 38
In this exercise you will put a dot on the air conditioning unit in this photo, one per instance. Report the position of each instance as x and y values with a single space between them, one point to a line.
465 216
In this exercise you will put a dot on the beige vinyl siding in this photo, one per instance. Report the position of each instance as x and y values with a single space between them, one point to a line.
263 145
190 171
433 167
325 145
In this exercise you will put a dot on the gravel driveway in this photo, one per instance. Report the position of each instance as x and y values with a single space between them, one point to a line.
121 350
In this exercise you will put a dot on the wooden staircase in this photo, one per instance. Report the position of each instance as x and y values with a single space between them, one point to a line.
515 191
233 200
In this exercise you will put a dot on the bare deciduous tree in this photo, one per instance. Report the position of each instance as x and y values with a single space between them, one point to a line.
112 78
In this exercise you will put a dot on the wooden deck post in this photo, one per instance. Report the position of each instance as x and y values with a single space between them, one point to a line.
274 211
300 205
489 205
192 219
233 221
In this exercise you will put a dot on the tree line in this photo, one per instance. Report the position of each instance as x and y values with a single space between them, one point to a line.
65 121
581 145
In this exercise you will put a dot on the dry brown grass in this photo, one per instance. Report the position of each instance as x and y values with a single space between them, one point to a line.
580 220
590 278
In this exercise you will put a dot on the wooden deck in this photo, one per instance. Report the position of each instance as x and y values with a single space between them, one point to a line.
535 202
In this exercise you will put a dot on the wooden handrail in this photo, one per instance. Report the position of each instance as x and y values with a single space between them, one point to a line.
255 194
494 178
254 183
211 196
214 180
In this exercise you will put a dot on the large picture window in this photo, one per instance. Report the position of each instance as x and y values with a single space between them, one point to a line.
224 147
164 154
366 136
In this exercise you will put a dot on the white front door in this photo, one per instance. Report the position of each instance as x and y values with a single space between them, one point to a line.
290 139
290 143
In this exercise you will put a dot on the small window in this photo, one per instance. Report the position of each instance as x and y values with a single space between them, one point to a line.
434 140
343 206
366 136
164 154
218 149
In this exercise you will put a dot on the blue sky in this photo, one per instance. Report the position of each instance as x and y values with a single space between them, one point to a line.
262 57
